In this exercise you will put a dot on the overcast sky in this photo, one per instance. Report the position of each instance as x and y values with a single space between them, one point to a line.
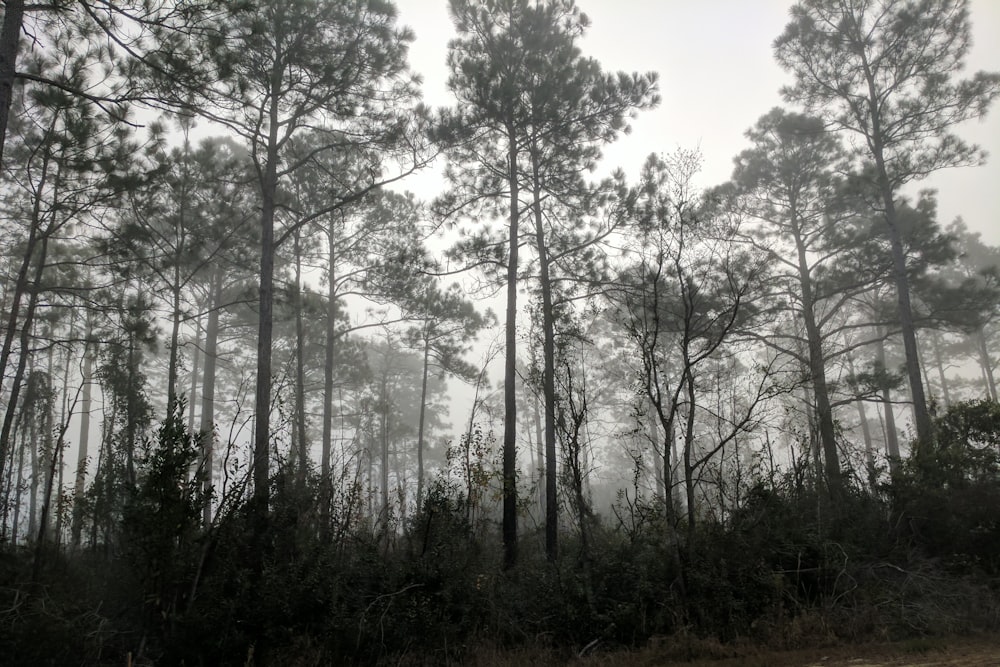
717 77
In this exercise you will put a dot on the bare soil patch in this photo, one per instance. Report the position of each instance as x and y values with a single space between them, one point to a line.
956 652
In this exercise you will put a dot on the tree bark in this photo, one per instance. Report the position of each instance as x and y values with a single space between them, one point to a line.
921 416
262 420
79 486
421 419
986 363
548 370
35 235
817 366
939 363
300 443
10 34
206 429
510 366
326 482
891 437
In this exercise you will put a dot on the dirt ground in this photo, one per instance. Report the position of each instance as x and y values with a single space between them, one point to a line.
978 652
930 652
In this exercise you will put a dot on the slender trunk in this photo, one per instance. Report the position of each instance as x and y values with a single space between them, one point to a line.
688 453
32 442
21 286
131 409
548 369
817 366
262 406
939 363
195 370
421 418
384 450
659 478
891 437
300 368
866 433
24 342
175 328
921 415
986 363
18 484
54 458
510 365
326 481
10 34
79 486
540 452
206 429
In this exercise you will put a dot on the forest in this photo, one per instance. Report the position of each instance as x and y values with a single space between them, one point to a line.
263 405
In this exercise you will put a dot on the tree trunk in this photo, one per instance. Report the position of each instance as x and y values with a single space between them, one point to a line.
539 451
420 420
300 443
921 416
326 481
206 429
817 367
891 437
20 288
986 363
195 370
939 363
384 451
866 433
262 405
660 461
24 342
79 486
510 365
548 370
10 34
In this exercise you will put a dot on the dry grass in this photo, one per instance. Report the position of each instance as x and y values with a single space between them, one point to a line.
687 652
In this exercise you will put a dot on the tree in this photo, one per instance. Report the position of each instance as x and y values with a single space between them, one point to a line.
682 303
72 164
884 71
789 181
524 88
335 71
143 47
446 323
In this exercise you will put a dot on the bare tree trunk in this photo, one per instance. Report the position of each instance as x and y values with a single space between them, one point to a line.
939 363
891 436
548 370
265 329
195 370
659 459
206 428
21 287
326 480
986 363
79 486
10 34
300 443
866 433
540 452
421 419
817 370
921 416
510 364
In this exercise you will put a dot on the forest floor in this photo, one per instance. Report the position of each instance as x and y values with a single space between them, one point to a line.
938 652
935 652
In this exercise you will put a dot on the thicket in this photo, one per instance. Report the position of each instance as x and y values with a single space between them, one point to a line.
791 566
